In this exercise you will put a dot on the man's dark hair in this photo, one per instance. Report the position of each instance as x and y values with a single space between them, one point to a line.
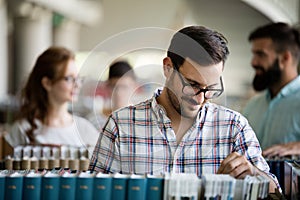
284 37
202 45
119 69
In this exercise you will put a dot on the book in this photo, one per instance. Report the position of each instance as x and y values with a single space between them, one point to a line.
3 175
238 190
32 186
136 187
102 186
84 186
277 168
167 177
119 186
183 185
50 185
14 186
264 187
67 188
295 182
155 186
255 188
220 186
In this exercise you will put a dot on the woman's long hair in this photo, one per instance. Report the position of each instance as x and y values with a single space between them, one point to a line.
34 98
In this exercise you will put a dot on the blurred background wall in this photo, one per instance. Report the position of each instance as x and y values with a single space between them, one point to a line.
100 31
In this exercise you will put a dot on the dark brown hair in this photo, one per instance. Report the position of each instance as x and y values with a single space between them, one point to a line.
119 69
202 45
34 98
284 37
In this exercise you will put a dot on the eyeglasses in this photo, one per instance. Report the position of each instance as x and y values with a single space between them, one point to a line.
73 80
194 89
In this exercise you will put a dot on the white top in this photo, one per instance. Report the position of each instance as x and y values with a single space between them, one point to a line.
80 133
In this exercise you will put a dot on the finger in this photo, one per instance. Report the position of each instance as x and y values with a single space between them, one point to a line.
288 152
290 149
224 163
229 163
272 151
242 175
243 170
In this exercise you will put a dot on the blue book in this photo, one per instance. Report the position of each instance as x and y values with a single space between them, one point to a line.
32 186
119 187
3 175
14 186
102 186
155 186
50 185
67 186
136 187
84 186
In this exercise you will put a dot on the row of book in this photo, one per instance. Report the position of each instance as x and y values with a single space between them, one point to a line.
287 172
44 151
226 187
9 163
72 184
46 157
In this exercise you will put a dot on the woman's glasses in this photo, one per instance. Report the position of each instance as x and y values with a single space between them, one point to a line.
74 80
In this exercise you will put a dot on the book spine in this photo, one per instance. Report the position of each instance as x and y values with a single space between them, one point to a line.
2 186
154 188
67 188
50 188
14 188
119 188
32 188
84 188
136 189
102 188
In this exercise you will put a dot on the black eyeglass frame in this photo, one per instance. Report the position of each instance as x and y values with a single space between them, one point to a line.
204 90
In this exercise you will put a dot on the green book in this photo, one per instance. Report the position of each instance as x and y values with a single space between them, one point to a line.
84 186
50 185
136 187
119 187
32 186
155 186
14 186
102 186
3 175
67 186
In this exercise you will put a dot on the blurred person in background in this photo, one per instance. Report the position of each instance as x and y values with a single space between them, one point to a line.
274 112
120 87
44 118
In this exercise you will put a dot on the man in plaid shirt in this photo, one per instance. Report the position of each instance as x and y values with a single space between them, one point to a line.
179 129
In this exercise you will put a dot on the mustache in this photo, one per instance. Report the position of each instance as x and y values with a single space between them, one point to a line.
190 100
258 67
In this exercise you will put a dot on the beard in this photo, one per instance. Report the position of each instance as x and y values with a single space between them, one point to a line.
178 102
268 78
174 100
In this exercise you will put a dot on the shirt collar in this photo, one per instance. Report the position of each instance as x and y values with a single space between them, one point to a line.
288 89
158 109
291 87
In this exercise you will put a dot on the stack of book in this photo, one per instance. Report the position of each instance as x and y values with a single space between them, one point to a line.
61 183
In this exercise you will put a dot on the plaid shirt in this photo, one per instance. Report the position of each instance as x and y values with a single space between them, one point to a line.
139 139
